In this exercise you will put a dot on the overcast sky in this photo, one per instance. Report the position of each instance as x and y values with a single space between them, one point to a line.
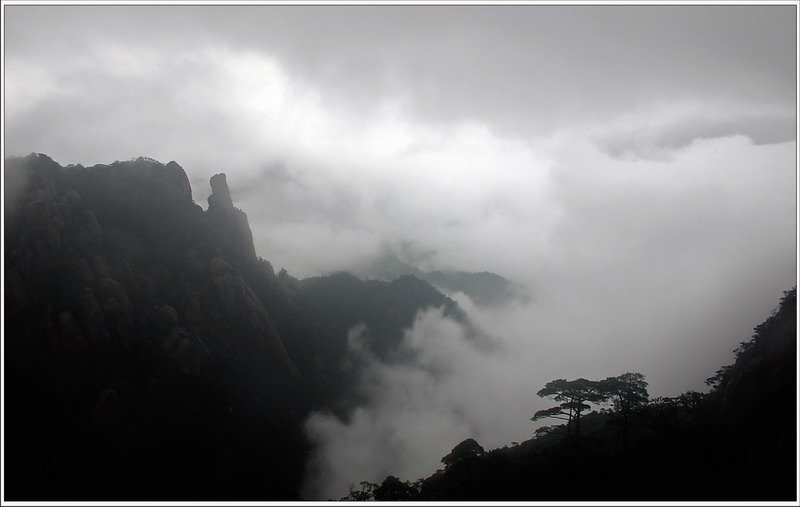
633 166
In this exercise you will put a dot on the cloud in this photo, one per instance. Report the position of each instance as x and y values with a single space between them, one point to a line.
519 69
198 107
662 267
418 409
658 131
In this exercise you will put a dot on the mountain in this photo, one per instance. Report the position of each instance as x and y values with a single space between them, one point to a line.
140 363
484 289
336 306
150 354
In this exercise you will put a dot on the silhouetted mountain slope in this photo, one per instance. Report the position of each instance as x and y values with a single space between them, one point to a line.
485 289
333 306
140 362
386 308
754 400
735 443
151 354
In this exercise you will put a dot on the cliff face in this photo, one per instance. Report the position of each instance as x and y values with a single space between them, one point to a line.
150 354
122 299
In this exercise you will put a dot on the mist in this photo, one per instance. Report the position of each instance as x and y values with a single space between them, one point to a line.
640 185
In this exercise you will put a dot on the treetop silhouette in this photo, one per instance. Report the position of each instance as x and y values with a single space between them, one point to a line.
575 396
626 391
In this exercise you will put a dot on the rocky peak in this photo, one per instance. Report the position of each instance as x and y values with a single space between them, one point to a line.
220 193
231 225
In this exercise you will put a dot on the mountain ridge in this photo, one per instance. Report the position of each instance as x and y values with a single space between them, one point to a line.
486 289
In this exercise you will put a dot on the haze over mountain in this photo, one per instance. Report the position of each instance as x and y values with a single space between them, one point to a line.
624 198
484 288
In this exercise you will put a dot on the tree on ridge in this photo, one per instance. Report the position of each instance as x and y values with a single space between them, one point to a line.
575 396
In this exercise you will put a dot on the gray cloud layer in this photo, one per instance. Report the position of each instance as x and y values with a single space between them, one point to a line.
634 166
529 67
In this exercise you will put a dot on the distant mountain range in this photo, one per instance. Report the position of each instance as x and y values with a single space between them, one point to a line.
484 288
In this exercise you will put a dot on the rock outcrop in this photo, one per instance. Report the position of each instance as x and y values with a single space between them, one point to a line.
231 225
